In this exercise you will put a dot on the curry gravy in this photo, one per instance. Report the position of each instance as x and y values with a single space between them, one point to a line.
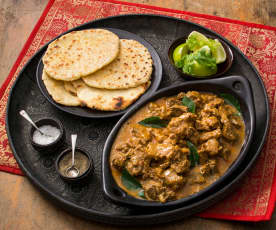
193 174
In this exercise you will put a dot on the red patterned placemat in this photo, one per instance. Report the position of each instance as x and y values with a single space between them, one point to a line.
255 199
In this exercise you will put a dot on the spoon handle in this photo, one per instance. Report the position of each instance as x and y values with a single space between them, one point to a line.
24 114
74 140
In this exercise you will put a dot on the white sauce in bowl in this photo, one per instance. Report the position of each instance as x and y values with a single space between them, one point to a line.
41 139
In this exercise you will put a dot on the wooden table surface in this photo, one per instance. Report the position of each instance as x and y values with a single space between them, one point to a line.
22 207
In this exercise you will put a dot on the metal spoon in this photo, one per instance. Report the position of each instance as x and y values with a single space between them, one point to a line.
24 114
72 171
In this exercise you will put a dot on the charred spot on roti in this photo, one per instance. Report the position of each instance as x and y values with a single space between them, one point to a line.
119 102
83 103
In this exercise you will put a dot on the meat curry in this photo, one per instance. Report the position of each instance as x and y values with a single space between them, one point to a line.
189 150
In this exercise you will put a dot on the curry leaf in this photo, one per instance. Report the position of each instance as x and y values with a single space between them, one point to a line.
154 122
189 103
141 193
194 157
230 99
129 181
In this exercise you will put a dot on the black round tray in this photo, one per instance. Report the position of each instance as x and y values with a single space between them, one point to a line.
88 200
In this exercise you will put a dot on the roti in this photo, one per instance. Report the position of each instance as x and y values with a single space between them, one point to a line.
80 53
56 89
131 68
70 88
105 99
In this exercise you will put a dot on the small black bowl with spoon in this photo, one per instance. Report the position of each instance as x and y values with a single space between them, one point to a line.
74 165
46 134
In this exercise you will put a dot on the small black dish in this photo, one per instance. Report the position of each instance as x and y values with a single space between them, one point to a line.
83 177
222 67
238 86
49 148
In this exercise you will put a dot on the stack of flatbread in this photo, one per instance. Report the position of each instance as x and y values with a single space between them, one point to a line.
95 68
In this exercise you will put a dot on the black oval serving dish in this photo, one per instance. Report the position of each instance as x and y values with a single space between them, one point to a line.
156 77
52 147
237 86
82 178
222 67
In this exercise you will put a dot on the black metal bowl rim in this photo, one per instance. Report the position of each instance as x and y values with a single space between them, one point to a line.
101 215
233 167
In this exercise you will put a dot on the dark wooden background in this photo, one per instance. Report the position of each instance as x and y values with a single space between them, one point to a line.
22 207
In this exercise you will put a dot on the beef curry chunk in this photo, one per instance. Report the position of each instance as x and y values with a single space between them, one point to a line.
136 164
156 191
160 158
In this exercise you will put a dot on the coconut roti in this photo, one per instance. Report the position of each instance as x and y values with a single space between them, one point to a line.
131 68
56 89
80 53
108 100
70 88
